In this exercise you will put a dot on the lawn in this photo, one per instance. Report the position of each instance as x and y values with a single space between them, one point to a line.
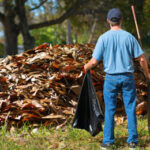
43 138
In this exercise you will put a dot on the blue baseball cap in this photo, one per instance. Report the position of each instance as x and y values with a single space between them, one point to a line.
114 15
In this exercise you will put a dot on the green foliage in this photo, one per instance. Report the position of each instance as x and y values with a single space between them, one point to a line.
142 9
80 29
82 21
146 41
54 35
20 39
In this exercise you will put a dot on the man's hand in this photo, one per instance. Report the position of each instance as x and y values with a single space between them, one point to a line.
92 63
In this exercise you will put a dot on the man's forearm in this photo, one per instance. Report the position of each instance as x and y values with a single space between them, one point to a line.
144 65
92 63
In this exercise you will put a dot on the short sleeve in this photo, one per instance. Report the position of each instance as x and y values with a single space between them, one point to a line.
99 49
137 51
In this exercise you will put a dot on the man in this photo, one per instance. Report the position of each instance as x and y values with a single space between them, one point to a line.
117 48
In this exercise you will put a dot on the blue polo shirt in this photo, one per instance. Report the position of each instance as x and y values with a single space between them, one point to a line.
117 48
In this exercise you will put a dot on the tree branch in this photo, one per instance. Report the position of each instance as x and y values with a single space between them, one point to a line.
2 17
59 20
91 11
38 6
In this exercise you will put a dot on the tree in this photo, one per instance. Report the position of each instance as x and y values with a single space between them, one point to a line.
13 18
69 32
11 29
29 41
15 14
99 9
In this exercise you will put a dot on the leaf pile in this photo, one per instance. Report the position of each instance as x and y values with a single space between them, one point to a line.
42 85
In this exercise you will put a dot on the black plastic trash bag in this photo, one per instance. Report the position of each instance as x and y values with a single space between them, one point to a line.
148 106
88 114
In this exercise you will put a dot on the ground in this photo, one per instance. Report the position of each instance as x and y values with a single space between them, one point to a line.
68 139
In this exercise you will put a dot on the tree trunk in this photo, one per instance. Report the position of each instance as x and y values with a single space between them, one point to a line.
76 37
11 30
11 33
92 30
29 41
69 33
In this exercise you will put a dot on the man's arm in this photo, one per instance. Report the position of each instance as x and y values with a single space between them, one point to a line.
144 65
92 63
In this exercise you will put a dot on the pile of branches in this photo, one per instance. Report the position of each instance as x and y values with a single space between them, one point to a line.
42 85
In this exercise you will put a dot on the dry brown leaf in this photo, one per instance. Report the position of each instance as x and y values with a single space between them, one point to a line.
52 116
43 84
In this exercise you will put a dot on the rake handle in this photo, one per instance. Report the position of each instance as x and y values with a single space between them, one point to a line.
136 25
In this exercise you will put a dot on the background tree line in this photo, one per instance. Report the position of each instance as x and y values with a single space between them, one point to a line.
33 22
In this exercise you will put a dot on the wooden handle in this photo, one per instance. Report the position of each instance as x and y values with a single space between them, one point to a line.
137 29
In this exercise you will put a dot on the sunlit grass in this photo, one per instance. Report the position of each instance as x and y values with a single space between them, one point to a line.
43 138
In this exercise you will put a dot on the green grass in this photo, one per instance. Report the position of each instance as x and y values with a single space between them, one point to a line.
68 138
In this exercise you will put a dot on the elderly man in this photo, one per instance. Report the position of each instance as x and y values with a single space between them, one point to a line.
117 48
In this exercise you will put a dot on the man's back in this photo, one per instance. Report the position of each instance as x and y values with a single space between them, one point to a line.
117 48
